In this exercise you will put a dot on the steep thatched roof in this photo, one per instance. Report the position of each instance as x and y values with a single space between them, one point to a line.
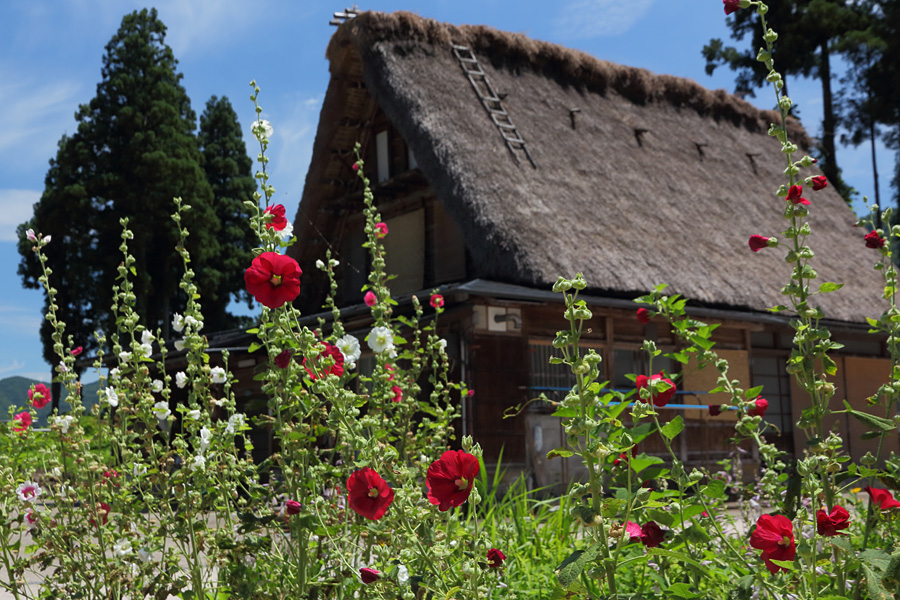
659 179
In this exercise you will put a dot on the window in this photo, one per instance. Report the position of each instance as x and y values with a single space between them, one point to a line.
382 156
769 372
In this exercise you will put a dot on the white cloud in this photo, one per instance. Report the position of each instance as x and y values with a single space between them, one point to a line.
292 148
15 366
35 113
585 19
16 206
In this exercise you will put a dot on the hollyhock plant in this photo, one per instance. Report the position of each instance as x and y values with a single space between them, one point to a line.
874 241
830 524
820 182
39 396
758 242
643 316
450 479
883 499
437 301
273 279
278 220
368 494
760 406
774 535
22 421
368 575
794 193
381 230
381 339
495 558
659 399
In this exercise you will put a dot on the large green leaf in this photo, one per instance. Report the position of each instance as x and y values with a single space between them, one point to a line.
571 568
673 427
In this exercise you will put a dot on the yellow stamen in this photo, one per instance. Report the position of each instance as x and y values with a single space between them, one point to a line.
373 492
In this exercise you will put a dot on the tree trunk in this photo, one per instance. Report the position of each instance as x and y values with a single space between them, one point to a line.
830 166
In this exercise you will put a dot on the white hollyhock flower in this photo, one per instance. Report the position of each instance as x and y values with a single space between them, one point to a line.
380 340
180 379
262 130
113 373
193 323
287 232
30 235
198 463
146 337
156 386
112 398
320 265
28 491
349 347
178 323
217 375
124 356
205 438
63 422
193 414
122 547
235 422
402 574
179 345
144 554
161 410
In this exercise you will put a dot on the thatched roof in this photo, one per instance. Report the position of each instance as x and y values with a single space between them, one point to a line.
659 180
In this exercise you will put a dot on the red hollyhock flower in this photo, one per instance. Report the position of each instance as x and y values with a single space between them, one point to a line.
292 507
278 221
762 405
356 166
659 399
390 370
623 457
370 299
398 394
450 479
794 195
829 524
110 475
102 511
883 499
758 242
337 369
819 183
437 301
365 573
76 351
381 230
273 279
495 558
22 422
652 534
874 241
283 359
39 396
774 535
715 410
731 6
643 315
368 494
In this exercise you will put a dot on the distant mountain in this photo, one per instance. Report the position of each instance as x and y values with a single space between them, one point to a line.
14 392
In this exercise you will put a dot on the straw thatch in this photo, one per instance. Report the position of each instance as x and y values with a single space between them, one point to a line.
659 180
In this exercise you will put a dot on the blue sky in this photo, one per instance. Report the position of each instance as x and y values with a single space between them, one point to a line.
50 59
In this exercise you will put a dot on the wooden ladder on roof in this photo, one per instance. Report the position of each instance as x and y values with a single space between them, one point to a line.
492 103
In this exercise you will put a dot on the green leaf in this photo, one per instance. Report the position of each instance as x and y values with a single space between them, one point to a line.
787 564
714 489
561 452
753 392
874 585
673 428
829 286
779 308
254 346
870 420
642 461
681 590
570 569
680 557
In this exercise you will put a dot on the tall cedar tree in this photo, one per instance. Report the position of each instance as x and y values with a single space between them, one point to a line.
229 172
807 33
134 150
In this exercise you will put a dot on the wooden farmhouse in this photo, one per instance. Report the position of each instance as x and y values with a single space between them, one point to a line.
500 163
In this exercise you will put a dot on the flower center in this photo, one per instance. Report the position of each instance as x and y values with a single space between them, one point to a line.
275 280
462 483
785 541
373 492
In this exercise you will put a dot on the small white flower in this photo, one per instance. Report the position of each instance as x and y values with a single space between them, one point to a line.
161 410
217 375
248 560
112 398
179 345
138 469
320 265
46 239
178 323
380 340
443 344
235 422
124 356
145 350
144 554
193 323
146 337
30 235
28 491
63 422
62 368
402 574
193 414
287 232
335 262
122 547
113 373
349 347
205 438
180 379
156 386
262 130
198 463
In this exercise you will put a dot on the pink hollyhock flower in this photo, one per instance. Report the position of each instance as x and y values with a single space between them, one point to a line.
365 573
659 399
102 511
337 369
758 242
39 396
76 351
381 230
495 558
829 524
874 241
283 359
450 479
279 221
368 494
110 475
370 299
22 422
643 315
774 535
731 6
28 491
292 507
794 195
470 393
883 499
820 182
31 517
273 279
761 406
633 530
356 166
398 394
715 410
437 301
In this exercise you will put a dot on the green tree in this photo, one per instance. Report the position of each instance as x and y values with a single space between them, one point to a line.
229 172
808 31
133 151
